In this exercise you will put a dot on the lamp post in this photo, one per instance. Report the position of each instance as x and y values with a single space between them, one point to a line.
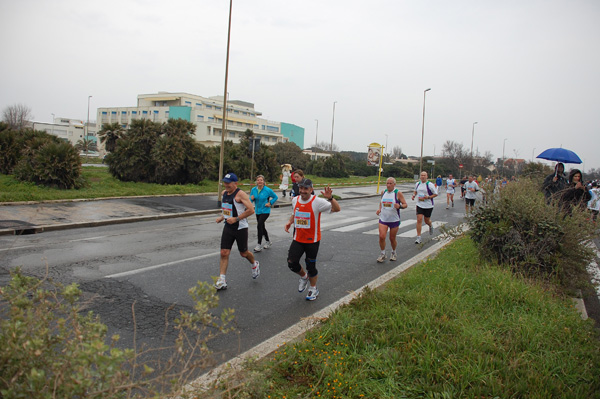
224 110
532 153
423 131
472 136
53 117
332 123
87 125
503 146
316 138
386 147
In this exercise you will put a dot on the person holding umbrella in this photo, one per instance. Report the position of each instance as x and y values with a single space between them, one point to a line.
554 182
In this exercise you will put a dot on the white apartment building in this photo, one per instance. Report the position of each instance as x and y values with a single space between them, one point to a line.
71 130
205 112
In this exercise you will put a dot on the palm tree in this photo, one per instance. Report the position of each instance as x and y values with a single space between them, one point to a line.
109 134
86 145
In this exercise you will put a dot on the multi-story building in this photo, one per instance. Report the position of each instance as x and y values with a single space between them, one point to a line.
68 129
207 114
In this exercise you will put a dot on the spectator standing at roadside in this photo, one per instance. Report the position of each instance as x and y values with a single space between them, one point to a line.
576 194
555 182
236 207
306 218
263 198
392 200
285 178
471 188
594 202
425 191
450 186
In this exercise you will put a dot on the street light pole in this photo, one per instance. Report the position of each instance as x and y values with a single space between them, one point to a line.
423 131
472 136
503 146
316 138
224 110
87 129
332 122
532 152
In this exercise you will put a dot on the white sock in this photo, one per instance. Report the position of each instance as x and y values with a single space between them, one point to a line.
383 252
305 277
222 276
255 265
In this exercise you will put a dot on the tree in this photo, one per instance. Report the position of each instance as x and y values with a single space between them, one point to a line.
397 152
17 116
455 153
86 145
326 146
109 134
292 154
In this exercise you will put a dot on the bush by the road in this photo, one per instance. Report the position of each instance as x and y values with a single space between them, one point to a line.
517 227
51 348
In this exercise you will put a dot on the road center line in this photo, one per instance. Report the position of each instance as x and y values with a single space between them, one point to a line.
145 269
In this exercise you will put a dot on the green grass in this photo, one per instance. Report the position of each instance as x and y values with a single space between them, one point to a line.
452 327
101 185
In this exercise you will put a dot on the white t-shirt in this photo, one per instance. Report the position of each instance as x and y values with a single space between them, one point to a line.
450 186
594 203
421 189
471 194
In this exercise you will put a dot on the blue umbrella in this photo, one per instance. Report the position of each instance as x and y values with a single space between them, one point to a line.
560 155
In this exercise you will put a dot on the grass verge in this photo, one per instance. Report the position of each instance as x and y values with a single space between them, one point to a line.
452 327
102 185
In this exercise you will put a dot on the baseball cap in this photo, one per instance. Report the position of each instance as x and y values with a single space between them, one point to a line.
229 177
306 183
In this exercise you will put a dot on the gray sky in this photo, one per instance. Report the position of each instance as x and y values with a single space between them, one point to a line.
527 71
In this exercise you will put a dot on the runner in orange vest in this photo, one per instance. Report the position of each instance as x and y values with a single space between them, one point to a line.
306 218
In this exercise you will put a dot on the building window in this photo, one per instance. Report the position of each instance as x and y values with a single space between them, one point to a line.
199 105
188 103
217 108
232 134
208 106
211 119
199 117
272 129
236 111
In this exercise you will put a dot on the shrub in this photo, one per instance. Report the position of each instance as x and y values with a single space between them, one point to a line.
50 349
50 164
517 227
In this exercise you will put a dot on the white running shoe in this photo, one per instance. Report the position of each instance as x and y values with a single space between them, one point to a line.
418 240
267 244
258 248
431 230
302 284
313 293
256 270
393 256
221 284
381 258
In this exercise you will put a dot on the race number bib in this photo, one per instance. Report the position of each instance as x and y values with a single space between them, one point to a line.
387 203
302 220
227 210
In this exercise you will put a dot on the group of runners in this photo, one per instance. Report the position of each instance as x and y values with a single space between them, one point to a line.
305 219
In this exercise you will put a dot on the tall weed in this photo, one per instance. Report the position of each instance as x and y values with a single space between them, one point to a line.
518 228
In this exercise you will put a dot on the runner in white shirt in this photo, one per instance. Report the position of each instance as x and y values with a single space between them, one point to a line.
471 188
390 204
450 186
425 191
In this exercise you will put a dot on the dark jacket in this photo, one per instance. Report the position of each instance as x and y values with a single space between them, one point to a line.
551 188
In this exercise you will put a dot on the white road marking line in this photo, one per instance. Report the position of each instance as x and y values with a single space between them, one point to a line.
404 223
342 221
355 226
424 231
145 269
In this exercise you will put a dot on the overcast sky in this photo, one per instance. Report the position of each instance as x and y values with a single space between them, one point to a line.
527 71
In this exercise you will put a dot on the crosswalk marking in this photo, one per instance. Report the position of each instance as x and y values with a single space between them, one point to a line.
404 223
413 233
342 221
355 226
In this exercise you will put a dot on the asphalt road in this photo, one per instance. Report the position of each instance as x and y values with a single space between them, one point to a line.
154 263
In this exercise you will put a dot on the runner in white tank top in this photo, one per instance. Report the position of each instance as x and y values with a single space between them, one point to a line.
390 204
